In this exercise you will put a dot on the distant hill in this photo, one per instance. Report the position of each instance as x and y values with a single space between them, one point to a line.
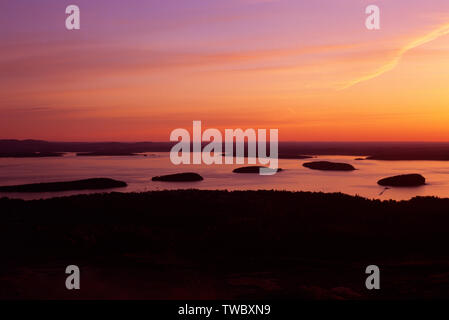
374 150
27 146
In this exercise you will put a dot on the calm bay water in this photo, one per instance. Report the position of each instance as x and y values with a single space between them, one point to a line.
137 171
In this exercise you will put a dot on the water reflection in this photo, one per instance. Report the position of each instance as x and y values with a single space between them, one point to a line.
137 171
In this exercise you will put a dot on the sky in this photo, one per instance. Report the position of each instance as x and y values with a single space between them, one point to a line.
136 70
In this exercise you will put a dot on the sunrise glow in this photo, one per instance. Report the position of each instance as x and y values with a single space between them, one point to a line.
308 68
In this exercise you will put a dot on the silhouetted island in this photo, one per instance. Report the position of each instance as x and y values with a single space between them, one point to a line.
293 156
252 169
105 154
417 155
30 154
87 184
359 159
328 166
280 156
179 177
405 180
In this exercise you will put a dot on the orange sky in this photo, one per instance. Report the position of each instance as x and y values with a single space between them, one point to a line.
311 70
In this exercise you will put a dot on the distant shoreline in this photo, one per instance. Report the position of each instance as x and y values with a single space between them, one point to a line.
391 151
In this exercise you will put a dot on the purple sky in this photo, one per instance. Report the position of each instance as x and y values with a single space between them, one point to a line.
136 65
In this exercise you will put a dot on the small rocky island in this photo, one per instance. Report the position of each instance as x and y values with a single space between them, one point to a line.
405 180
328 166
87 184
106 154
179 177
253 169
280 156
294 156
30 154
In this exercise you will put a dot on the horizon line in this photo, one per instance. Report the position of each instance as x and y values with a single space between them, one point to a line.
283 141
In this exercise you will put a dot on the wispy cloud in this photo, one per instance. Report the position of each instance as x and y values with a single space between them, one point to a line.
107 61
258 1
390 65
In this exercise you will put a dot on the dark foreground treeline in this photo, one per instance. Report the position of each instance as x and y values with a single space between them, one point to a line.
218 244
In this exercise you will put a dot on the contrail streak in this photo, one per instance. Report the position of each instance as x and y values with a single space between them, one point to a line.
441 31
